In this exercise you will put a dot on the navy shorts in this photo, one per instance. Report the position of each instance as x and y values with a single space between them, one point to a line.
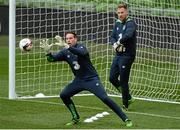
92 85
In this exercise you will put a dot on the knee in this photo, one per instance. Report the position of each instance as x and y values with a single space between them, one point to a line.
114 81
63 95
107 101
104 98
124 84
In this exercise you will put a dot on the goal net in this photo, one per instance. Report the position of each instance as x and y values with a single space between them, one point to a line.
155 74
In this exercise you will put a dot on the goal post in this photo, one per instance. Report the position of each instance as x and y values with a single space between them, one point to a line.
12 42
155 75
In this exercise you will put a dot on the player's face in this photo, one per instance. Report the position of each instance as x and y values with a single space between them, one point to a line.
70 39
122 13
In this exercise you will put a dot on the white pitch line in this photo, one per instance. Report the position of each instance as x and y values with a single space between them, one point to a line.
53 103
154 115
98 108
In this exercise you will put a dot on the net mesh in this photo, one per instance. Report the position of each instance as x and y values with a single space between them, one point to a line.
155 73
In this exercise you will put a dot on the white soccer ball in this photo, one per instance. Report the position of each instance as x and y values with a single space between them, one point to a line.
25 44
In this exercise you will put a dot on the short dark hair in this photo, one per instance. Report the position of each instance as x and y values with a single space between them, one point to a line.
75 35
122 5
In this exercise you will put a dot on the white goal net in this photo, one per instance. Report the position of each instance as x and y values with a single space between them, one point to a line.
155 75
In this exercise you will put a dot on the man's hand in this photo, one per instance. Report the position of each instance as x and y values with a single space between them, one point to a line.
45 45
61 42
115 45
118 47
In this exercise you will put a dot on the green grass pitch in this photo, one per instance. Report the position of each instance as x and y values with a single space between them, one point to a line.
50 113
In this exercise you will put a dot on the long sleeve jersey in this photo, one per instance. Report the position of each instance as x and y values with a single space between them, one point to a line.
125 33
78 59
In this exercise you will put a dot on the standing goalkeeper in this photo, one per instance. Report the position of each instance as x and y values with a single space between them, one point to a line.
123 39
86 77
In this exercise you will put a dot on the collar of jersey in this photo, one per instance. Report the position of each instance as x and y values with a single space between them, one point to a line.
127 19
74 45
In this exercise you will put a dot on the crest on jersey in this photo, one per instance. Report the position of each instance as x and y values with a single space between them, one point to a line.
117 28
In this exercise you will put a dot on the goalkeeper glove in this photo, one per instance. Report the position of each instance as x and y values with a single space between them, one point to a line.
44 45
118 47
61 42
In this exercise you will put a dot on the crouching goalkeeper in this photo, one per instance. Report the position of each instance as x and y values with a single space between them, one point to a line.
86 77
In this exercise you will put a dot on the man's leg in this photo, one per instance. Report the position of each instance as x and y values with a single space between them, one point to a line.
97 89
114 74
66 95
125 63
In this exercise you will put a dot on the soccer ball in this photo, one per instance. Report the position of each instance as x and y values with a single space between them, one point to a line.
25 44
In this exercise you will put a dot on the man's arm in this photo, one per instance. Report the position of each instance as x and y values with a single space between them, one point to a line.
117 46
55 57
113 38
130 29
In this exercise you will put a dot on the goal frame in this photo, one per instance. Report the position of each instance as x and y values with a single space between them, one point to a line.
12 56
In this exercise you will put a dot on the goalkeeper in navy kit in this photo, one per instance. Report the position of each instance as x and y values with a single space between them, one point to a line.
86 77
123 39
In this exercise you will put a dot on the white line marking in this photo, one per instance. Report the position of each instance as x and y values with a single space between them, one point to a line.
98 108
53 103
154 115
